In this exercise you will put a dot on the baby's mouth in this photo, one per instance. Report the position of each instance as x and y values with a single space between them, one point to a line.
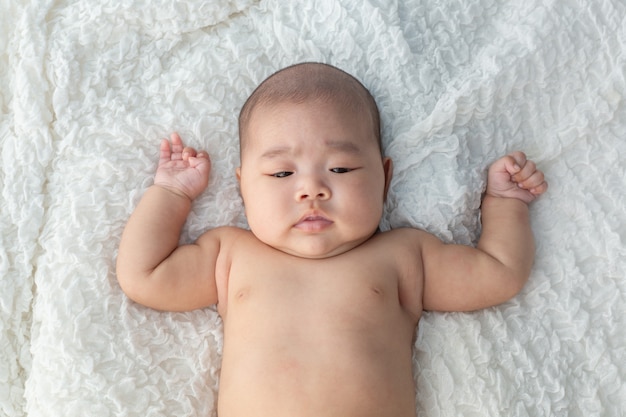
313 223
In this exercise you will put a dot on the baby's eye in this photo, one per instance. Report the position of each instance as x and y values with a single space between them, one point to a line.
340 170
282 174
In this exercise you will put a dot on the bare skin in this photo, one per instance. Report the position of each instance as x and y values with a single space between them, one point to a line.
319 309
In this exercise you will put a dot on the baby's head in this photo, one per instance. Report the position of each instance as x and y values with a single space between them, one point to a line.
312 175
311 82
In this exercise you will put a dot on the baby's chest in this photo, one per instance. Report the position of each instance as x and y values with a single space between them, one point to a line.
324 288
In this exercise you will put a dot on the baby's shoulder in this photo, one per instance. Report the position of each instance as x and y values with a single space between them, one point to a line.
230 232
401 246
222 238
403 238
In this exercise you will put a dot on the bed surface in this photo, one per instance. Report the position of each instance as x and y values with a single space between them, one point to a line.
89 87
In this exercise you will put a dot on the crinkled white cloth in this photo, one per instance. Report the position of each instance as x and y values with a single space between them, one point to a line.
89 86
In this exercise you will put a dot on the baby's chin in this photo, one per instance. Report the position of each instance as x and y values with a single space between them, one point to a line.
317 250
312 254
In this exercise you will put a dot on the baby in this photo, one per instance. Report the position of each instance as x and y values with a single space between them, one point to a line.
319 307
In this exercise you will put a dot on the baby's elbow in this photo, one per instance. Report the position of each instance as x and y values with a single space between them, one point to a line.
128 287
131 283
514 282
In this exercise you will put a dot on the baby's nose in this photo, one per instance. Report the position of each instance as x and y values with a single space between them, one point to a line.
313 190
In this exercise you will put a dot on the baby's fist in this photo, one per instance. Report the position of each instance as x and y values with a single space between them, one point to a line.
514 176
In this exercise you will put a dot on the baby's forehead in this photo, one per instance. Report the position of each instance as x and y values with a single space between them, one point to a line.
275 109
349 116
273 106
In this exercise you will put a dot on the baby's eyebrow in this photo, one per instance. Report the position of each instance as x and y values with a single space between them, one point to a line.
343 146
276 152
338 145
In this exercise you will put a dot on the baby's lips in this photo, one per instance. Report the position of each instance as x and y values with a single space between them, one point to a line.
313 223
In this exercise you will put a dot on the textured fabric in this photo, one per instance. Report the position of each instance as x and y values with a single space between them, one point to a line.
88 87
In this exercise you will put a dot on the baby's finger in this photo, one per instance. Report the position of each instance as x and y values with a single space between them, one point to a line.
528 169
188 152
519 158
533 181
177 145
165 153
203 163
540 189
176 140
202 154
506 164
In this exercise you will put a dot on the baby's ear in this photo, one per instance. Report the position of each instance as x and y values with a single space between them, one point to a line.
388 169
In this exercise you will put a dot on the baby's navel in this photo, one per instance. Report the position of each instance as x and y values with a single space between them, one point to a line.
377 291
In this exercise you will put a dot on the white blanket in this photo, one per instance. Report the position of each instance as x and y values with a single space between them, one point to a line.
88 87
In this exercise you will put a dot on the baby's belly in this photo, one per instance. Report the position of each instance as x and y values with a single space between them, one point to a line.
317 362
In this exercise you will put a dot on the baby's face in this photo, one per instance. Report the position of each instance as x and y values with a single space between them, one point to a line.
312 178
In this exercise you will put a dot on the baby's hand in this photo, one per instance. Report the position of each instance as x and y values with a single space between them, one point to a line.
182 170
513 176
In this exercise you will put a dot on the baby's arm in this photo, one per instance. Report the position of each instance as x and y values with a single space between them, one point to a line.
151 268
461 278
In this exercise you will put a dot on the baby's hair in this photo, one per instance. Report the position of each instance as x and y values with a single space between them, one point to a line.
310 81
